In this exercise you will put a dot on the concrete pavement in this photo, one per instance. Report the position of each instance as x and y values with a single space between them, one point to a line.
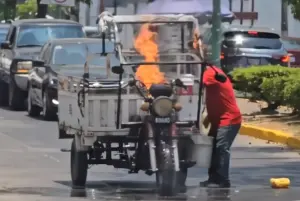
33 168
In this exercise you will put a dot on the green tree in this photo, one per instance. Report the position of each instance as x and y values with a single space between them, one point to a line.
27 9
42 9
9 9
295 6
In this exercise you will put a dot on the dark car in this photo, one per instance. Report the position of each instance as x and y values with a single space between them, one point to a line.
22 45
247 46
64 56
293 47
3 31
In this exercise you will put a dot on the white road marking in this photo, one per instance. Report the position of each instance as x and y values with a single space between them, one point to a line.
52 158
16 141
29 148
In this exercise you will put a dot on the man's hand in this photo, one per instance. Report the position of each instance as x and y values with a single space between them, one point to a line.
205 122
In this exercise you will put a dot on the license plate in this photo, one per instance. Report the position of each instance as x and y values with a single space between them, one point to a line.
163 120
254 61
292 59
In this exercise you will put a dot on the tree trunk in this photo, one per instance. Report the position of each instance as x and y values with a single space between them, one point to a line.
41 9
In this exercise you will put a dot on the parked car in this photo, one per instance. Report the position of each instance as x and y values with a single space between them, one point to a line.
63 55
23 43
3 31
247 46
293 47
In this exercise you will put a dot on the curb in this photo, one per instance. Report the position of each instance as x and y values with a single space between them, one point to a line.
271 135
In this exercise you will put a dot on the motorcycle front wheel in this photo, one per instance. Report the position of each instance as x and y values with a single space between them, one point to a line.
166 174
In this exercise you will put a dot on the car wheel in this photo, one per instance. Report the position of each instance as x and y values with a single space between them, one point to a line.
4 94
49 112
33 110
16 96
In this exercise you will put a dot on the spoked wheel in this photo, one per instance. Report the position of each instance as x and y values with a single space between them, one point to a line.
166 174
79 166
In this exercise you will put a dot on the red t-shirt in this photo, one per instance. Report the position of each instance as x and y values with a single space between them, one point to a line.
222 109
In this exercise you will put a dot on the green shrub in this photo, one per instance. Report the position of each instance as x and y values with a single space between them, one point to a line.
272 91
291 91
264 82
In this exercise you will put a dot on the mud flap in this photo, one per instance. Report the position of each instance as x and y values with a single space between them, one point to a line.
63 135
79 141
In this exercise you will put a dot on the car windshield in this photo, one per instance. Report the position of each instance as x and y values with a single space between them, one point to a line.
38 35
252 39
3 33
70 58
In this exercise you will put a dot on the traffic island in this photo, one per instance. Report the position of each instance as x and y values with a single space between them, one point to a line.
271 135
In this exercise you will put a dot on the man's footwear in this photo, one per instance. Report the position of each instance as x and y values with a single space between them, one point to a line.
207 182
219 185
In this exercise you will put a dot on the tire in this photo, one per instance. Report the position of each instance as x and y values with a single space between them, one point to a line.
181 179
32 110
79 167
49 112
16 97
166 174
4 94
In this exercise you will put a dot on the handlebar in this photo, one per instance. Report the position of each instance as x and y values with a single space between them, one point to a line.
175 83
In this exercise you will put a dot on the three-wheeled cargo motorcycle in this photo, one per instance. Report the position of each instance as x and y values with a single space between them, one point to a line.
121 121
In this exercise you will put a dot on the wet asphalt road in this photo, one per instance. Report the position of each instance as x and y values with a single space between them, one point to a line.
33 168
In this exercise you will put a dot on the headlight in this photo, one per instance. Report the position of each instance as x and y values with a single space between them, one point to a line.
53 82
24 66
162 106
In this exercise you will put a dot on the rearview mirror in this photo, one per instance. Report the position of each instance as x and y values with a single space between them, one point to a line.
117 70
38 63
5 45
179 83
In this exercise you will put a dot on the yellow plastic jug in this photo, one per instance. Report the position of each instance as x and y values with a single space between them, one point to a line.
280 182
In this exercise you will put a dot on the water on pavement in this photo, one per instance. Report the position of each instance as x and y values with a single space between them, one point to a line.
33 168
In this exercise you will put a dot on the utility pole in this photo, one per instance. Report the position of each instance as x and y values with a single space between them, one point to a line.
115 7
216 32
101 8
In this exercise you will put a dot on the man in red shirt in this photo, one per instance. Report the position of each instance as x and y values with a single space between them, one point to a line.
225 118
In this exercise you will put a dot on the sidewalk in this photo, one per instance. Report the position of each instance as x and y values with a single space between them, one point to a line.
280 126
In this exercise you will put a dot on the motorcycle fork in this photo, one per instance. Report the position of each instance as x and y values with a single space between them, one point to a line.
152 147
173 133
154 143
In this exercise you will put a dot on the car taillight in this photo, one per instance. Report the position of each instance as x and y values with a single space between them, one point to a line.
252 32
185 92
222 56
285 59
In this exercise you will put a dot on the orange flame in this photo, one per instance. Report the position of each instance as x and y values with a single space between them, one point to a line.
195 39
145 44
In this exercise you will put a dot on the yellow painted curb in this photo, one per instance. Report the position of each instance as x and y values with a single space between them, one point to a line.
271 135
